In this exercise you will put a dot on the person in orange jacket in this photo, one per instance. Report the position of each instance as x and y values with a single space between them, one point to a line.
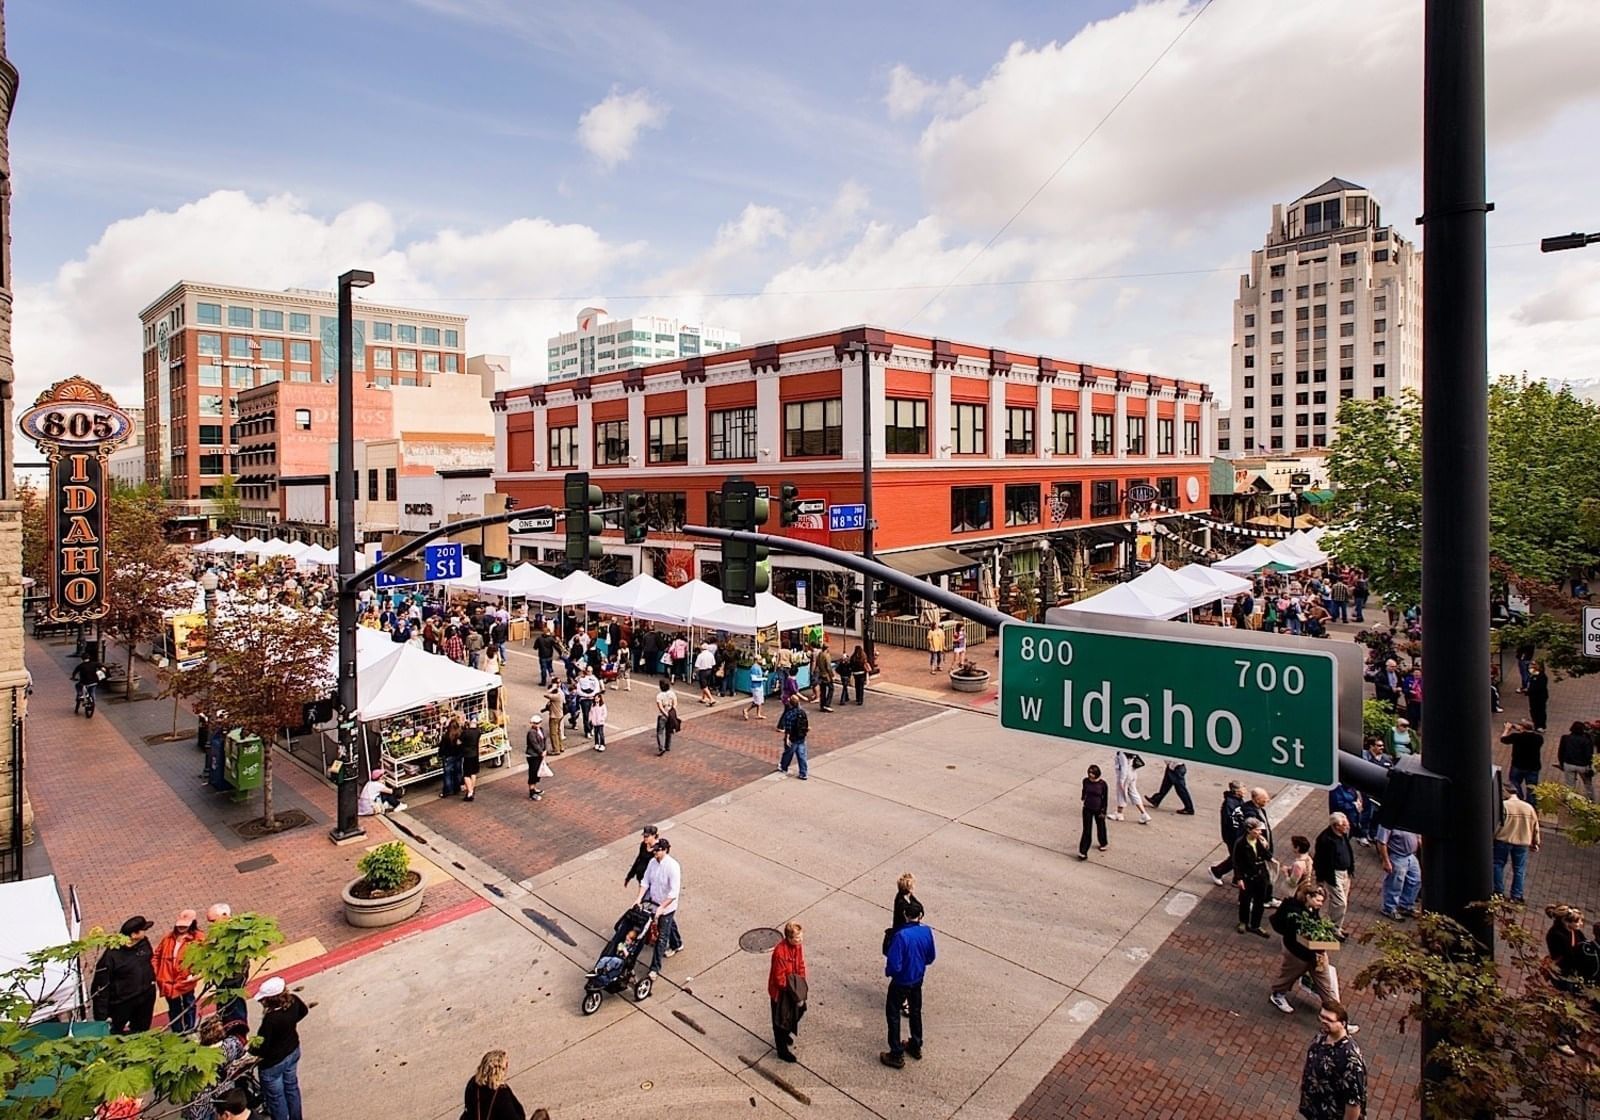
173 979
786 987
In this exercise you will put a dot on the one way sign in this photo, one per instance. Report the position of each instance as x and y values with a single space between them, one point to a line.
538 523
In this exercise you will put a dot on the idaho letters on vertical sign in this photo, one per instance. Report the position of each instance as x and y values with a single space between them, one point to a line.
77 425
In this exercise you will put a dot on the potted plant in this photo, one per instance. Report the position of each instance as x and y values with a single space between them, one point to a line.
1317 933
968 677
388 890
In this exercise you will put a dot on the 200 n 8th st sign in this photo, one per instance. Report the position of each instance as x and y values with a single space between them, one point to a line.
1264 704
77 425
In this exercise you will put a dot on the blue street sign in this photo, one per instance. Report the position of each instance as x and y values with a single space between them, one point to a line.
845 519
442 562
384 579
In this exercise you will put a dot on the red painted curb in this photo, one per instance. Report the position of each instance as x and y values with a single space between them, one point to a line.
344 954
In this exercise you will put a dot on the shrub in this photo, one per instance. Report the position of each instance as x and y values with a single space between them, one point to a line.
1377 720
386 867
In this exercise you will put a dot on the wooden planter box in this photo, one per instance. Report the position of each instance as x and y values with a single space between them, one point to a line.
1321 946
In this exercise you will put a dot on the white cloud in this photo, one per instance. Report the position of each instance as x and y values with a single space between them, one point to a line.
907 92
610 129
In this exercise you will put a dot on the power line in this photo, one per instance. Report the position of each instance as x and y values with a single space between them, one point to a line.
1060 167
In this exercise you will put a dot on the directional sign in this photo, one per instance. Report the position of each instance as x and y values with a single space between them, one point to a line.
442 562
1591 631
810 506
384 579
1276 707
538 523
845 519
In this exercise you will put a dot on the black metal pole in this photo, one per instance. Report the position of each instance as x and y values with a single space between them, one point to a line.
867 588
1455 463
348 777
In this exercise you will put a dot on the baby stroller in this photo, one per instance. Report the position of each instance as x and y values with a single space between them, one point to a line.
617 969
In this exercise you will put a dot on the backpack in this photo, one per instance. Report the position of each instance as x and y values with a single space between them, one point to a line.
799 726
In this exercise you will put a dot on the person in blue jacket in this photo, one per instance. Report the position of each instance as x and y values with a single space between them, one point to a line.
906 961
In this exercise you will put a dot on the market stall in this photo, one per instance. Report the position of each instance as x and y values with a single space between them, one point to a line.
405 700
37 920
639 592
682 606
576 589
1127 601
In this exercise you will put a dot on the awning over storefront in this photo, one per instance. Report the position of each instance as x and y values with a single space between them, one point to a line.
921 562
1317 497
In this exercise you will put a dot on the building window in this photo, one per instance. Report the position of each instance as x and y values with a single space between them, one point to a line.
1165 436
1277 338
1277 295
241 317
669 438
1168 488
210 404
212 464
1224 444
209 343
1277 400
733 434
905 427
1319 397
208 313
1249 421
967 429
971 508
271 320
430 363
1277 318
611 443
1347 373
391 487
299 375
1303 292
563 447
299 323
1302 398
1320 419
1066 432
1379 326
1191 437
272 349
1136 425
452 339
302 419
1380 255
238 347
1346 260
372 484
1249 361
813 429
1250 382
1249 402
1301 419
1103 499
382 332
383 359
1102 438
300 352
430 336
241 377
1249 341
1250 319
1022 505
210 435
1019 431
452 363
1277 270
1066 502
406 332
408 359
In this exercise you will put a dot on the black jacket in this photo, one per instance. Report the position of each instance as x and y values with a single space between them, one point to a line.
1232 819
124 975
640 863
1250 864
1576 750
1332 853
1259 812
280 1034
491 1104
1095 795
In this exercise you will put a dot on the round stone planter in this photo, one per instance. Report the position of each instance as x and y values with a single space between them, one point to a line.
375 913
976 683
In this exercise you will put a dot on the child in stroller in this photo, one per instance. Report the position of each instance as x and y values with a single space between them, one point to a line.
614 971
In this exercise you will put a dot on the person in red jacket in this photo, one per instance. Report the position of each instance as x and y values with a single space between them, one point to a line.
786 987
173 979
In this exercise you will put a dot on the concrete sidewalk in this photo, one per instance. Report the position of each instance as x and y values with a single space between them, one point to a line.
1032 946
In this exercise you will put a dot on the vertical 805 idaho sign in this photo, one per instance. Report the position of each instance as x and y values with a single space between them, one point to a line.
77 425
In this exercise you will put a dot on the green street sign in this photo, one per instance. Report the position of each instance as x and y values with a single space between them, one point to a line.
1263 704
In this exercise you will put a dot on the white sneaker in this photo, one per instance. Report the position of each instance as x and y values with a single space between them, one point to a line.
1281 1002
1274 903
1116 816
1145 819
400 808
671 953
1215 878
600 747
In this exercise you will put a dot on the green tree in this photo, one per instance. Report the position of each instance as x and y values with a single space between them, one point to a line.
265 661
1375 465
230 507
73 1076
35 532
145 576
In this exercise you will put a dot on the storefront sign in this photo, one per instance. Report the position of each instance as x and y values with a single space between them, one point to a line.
188 637
77 426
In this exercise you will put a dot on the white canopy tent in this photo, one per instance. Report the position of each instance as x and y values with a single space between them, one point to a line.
1164 583
1126 601
769 611
683 606
1223 583
573 591
525 580
215 544
315 555
1252 559
640 591
1297 559
408 678
36 920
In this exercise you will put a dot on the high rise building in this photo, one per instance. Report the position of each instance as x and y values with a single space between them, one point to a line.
203 343
1330 310
601 345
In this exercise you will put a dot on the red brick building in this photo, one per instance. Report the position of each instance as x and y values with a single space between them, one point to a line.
979 455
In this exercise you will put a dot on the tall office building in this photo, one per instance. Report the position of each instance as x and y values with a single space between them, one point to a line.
204 343
1331 309
601 345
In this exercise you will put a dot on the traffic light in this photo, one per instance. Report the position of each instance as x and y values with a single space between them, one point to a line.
584 526
789 509
746 571
635 528
494 567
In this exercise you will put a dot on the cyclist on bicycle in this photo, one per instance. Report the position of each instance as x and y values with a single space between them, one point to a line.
85 678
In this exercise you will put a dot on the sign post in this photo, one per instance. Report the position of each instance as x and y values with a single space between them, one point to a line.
1591 631
1275 706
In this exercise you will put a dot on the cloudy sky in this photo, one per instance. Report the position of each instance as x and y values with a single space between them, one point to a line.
999 173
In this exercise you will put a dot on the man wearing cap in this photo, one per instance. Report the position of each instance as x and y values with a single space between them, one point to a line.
124 987
235 1009
173 979
662 881
536 746
376 797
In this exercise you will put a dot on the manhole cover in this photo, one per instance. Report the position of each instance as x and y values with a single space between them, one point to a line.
760 940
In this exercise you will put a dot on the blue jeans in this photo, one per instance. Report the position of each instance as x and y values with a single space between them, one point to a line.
666 938
452 776
280 1085
547 668
792 751
1524 670
1402 885
1361 608
1523 782
181 1014
1518 855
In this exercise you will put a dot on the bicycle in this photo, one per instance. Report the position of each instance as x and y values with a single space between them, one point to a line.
84 700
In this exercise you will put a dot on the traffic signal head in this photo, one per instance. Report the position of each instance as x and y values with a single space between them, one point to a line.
789 508
494 567
746 570
635 526
584 526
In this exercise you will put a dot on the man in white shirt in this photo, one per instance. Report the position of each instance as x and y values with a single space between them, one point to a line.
661 883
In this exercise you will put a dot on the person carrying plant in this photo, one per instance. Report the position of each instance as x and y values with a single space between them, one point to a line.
1298 920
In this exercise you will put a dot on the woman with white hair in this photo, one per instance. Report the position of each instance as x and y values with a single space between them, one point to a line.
1127 783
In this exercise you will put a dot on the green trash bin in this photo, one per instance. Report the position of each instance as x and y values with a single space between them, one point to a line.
241 763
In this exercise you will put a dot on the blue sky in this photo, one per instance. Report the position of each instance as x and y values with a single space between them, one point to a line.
830 157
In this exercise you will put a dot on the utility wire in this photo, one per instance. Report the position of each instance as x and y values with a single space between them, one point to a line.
1060 167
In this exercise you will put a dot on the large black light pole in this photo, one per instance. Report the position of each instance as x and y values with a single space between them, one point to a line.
349 776
863 350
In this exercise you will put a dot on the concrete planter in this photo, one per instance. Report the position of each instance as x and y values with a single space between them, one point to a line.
375 913
976 683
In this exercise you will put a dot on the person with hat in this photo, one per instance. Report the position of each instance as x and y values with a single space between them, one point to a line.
536 744
376 797
173 979
124 986
234 1009
278 1051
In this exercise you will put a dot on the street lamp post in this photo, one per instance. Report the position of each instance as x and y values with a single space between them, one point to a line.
1567 241
347 776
